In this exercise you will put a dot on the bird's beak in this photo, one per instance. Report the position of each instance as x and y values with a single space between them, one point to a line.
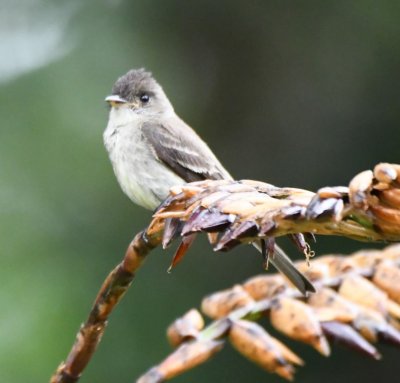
115 100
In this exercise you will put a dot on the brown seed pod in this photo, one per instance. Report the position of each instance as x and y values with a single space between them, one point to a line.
298 321
361 291
387 277
185 357
265 286
390 197
359 189
385 173
328 298
222 303
251 340
386 214
184 328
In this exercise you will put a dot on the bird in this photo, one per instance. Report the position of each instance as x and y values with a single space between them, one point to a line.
152 149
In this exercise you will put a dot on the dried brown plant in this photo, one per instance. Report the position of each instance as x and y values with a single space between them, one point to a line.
357 303
235 212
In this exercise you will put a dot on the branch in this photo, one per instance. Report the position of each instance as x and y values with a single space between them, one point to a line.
112 290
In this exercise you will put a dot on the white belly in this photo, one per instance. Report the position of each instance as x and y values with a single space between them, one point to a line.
144 179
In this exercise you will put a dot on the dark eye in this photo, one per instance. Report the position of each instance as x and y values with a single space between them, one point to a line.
144 97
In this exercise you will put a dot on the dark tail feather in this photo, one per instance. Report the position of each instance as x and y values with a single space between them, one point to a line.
285 265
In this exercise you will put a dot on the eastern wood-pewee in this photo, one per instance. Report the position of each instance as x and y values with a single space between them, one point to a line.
152 149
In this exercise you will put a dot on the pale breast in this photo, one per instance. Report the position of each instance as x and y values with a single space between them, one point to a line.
144 179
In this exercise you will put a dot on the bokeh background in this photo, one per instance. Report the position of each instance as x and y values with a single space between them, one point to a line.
301 94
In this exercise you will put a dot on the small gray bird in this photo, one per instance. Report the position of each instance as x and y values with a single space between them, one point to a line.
151 149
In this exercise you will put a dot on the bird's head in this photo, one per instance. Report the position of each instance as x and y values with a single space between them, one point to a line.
139 92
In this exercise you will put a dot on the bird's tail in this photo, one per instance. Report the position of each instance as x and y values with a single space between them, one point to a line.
285 265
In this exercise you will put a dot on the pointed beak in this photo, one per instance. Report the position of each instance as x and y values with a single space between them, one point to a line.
115 100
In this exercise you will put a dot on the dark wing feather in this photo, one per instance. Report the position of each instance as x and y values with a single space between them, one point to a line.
182 150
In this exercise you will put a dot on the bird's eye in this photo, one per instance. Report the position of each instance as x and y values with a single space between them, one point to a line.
144 97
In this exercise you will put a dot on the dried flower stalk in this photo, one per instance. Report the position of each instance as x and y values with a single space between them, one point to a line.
112 290
355 305
234 212
243 211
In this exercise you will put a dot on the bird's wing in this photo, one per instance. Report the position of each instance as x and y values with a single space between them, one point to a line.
183 151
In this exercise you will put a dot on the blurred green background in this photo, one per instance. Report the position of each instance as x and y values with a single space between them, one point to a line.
301 93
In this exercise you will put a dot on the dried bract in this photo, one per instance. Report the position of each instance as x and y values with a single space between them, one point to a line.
357 309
